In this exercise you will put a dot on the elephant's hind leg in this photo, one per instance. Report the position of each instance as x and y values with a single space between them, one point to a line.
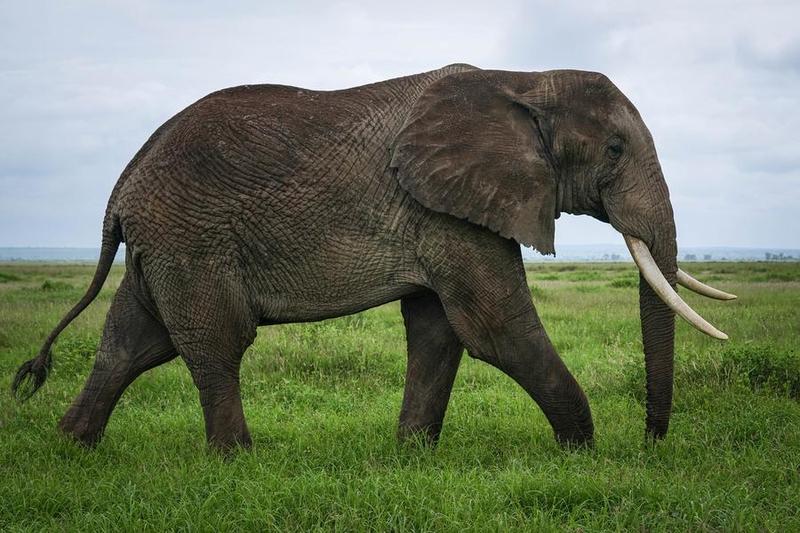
434 352
215 372
211 326
133 342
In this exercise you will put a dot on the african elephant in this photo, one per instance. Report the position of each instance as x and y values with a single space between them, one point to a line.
267 204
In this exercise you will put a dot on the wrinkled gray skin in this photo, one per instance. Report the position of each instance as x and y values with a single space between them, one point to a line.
269 204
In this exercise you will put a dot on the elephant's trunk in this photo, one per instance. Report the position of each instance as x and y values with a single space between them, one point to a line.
658 336
644 216
650 236
658 301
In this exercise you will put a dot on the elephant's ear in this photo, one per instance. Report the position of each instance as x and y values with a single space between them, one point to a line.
476 147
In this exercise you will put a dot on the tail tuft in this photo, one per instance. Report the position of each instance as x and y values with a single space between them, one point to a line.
30 376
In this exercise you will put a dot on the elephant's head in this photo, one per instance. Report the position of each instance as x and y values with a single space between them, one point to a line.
513 150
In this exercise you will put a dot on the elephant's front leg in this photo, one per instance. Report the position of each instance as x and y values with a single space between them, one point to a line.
434 353
488 303
533 362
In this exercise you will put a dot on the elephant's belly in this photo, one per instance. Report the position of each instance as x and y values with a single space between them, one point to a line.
307 278
285 307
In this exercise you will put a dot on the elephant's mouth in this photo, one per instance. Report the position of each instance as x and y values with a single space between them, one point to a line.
655 278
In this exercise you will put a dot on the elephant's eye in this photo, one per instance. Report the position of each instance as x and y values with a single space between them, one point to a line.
614 149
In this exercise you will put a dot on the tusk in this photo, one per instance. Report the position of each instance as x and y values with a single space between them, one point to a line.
650 271
685 280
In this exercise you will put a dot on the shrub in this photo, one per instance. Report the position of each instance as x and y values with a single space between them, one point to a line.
565 268
777 275
5 277
585 275
758 367
624 283
50 285
765 367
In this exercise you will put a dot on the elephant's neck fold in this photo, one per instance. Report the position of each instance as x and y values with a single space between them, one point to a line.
564 200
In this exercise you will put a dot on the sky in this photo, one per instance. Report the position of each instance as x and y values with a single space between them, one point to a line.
83 84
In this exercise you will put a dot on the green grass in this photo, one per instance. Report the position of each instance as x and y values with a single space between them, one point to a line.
322 402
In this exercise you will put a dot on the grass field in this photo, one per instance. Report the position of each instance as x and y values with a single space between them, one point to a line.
322 402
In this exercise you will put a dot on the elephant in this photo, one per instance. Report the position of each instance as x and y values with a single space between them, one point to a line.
269 204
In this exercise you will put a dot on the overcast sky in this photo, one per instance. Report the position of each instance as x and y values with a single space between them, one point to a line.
83 84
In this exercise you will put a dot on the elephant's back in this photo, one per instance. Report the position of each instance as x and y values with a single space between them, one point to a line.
263 156
278 132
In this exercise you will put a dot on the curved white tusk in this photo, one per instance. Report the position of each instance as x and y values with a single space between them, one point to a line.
685 280
650 271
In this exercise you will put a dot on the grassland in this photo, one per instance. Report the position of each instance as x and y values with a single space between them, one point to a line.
322 401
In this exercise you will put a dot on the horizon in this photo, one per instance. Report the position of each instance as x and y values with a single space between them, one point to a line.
565 253
567 245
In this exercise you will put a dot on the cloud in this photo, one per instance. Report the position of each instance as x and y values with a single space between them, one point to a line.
83 85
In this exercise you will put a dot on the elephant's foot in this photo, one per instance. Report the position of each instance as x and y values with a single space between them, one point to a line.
230 442
573 426
77 424
424 435
575 440
226 429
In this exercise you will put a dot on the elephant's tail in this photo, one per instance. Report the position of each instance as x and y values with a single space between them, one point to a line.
32 374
